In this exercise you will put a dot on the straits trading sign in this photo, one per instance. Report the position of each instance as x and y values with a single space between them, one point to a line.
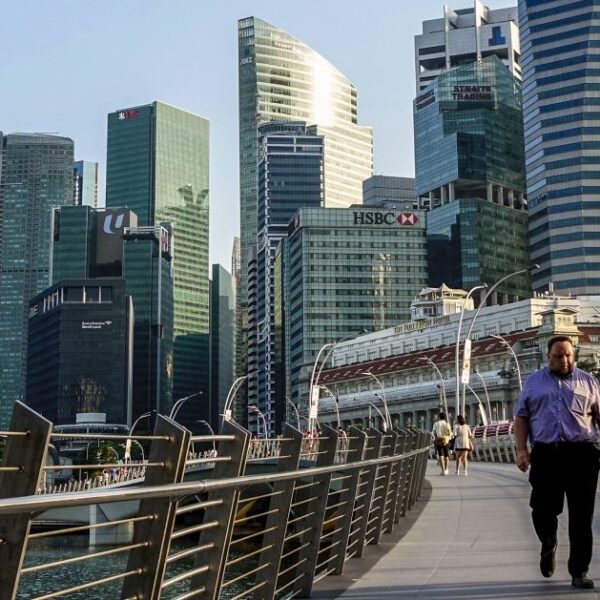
367 217
472 92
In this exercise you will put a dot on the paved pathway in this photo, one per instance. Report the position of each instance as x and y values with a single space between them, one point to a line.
467 538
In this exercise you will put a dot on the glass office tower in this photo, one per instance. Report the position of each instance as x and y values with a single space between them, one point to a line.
222 342
94 244
345 270
283 79
471 241
561 81
85 192
36 174
290 176
158 165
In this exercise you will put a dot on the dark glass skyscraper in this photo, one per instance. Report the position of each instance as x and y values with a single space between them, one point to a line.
561 81
290 176
157 165
36 174
79 351
94 244
222 342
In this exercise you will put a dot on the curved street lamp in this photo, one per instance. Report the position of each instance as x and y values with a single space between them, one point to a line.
487 396
335 403
456 349
487 295
146 414
253 408
509 348
212 432
388 419
383 419
432 364
177 406
235 386
295 409
481 409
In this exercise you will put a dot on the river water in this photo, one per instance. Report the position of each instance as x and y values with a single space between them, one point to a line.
58 548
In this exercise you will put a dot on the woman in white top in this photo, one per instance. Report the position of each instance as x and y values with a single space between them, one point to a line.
462 443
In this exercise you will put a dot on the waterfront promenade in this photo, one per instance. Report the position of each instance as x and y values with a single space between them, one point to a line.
466 539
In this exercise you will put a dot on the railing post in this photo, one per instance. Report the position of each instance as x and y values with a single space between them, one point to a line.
277 522
380 491
387 502
315 510
150 560
366 485
407 465
220 537
396 482
356 449
28 454
421 444
414 471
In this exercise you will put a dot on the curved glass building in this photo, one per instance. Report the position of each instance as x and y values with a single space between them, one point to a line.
560 40
283 79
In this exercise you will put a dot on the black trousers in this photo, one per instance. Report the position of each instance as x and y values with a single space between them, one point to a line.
571 470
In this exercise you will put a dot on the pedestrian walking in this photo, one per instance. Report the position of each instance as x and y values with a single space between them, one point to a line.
558 410
442 433
463 444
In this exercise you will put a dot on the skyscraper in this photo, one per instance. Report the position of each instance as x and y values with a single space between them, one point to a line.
283 79
290 176
344 271
561 80
469 154
158 165
91 245
390 191
222 342
464 36
36 174
85 192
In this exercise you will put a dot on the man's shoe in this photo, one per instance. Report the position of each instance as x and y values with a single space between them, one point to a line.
583 582
548 560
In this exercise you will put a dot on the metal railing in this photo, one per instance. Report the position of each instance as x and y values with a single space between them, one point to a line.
316 503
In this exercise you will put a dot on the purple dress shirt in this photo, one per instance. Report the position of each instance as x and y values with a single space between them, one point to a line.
560 409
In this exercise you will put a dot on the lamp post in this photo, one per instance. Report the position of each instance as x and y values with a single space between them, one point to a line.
509 348
295 409
314 377
235 386
383 419
177 406
212 432
487 295
487 396
146 414
456 350
481 409
335 403
388 419
432 364
253 408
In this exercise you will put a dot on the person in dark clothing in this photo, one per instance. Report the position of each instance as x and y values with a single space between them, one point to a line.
559 410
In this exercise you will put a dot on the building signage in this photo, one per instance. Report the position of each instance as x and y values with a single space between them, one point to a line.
109 241
472 92
362 217
425 100
418 325
95 324
124 115
246 61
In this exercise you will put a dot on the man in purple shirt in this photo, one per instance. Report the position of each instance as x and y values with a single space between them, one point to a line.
559 409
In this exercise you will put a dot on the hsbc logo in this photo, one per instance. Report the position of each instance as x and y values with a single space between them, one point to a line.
379 218
408 218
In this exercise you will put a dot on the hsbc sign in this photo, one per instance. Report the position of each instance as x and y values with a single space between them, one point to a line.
380 218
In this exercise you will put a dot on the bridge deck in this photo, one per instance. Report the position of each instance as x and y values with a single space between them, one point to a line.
468 538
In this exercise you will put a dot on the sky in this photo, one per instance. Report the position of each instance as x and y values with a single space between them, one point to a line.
65 64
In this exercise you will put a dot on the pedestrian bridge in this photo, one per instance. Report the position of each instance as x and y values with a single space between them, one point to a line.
365 518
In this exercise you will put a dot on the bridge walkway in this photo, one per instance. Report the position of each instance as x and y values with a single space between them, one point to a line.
467 538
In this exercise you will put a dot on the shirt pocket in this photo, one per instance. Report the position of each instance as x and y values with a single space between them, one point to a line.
579 403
